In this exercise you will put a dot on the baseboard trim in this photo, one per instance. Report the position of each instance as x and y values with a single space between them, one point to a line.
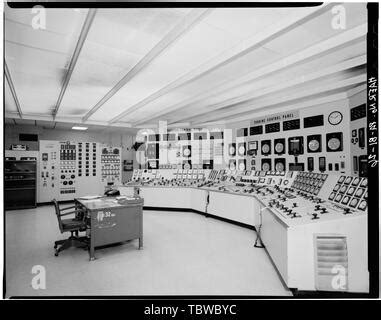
207 215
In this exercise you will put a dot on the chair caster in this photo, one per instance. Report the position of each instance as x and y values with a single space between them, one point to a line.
56 253
55 246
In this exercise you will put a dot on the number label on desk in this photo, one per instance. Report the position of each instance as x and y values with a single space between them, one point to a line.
104 219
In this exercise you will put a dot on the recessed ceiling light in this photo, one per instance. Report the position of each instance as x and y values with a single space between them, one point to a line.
79 128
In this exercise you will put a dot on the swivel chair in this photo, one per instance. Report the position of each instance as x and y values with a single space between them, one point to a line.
73 225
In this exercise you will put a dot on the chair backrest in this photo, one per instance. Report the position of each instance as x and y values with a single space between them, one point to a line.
58 214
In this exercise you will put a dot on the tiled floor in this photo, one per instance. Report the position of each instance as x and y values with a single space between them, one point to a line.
184 254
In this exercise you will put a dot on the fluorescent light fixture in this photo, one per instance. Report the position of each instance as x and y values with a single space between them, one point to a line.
79 128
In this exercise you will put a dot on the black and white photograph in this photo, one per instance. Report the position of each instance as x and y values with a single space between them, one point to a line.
172 149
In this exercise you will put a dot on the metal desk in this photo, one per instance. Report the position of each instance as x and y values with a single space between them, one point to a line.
110 221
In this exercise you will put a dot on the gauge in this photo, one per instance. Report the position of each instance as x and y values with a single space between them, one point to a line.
231 150
265 148
336 188
241 150
232 166
363 204
359 192
350 191
265 166
338 197
355 181
279 166
343 189
314 145
366 195
364 183
341 179
334 144
348 180
279 147
353 202
187 152
332 196
345 200
241 166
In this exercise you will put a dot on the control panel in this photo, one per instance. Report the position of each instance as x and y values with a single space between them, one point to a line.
111 165
74 169
49 169
68 169
295 197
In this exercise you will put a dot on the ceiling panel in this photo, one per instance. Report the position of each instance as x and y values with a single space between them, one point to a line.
181 57
119 38
117 41
282 77
290 95
9 102
243 22
38 58
175 98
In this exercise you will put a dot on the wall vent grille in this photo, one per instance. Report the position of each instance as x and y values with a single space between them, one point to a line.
331 263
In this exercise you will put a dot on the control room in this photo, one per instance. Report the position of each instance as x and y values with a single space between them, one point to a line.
186 151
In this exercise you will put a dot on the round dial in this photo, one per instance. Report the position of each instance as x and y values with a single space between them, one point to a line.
314 145
265 148
334 144
279 166
241 166
241 150
362 205
232 166
265 166
231 150
279 147
187 152
335 118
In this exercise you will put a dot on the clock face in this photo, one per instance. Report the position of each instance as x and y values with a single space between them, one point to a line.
335 117
265 148
314 145
279 147
334 144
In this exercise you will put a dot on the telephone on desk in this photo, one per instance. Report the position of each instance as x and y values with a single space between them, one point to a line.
112 193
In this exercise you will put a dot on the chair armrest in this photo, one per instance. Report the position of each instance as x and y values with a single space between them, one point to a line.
62 209
71 212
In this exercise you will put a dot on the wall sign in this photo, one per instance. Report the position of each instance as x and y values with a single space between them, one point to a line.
276 117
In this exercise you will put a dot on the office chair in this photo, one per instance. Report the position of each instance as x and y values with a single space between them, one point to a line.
73 225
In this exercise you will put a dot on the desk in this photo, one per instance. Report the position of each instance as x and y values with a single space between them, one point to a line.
110 221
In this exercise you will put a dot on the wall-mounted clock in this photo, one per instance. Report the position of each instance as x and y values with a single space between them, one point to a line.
335 117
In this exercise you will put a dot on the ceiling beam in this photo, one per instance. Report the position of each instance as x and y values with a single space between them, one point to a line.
315 51
13 90
249 106
66 119
81 40
275 30
258 91
190 20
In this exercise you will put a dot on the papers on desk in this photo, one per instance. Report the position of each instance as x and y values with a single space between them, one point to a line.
90 197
